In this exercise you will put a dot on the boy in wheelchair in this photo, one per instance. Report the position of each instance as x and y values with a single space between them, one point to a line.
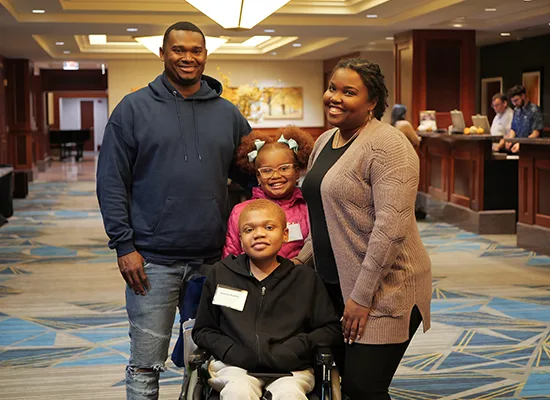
259 313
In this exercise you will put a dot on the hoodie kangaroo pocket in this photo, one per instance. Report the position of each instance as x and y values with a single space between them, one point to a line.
189 223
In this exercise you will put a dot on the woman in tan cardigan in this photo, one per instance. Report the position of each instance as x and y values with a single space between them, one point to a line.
361 189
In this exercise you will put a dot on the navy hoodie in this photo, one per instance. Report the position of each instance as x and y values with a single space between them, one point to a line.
163 168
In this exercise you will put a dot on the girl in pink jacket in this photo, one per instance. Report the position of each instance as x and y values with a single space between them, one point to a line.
276 162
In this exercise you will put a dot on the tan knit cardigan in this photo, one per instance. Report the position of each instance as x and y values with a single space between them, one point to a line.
368 198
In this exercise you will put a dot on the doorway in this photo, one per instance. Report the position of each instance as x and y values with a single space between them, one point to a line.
87 122
489 87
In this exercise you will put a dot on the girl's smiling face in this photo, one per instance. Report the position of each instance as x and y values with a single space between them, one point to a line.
277 172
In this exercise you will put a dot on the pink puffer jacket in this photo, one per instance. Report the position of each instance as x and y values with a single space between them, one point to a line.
296 213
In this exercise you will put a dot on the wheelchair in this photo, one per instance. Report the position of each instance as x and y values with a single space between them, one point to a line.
195 381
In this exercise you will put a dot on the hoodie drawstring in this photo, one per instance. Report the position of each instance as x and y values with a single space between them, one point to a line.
181 127
197 147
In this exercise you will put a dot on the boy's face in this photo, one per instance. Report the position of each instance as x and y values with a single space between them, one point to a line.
262 234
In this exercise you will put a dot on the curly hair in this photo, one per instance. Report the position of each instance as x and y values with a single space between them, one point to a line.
372 77
514 91
304 140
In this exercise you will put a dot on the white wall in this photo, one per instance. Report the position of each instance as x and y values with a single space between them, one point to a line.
69 113
101 116
125 75
386 62
69 116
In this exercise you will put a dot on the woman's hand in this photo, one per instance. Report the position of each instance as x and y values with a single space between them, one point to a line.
354 321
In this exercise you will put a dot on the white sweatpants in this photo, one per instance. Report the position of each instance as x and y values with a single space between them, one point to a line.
234 383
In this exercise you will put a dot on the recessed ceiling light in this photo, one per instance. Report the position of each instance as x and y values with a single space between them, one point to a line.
269 30
66 52
297 45
372 16
505 34
527 1
255 41
132 29
372 42
97 39
38 11
59 43
490 9
273 53
389 37
457 25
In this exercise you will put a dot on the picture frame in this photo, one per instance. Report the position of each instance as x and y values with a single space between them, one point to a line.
531 80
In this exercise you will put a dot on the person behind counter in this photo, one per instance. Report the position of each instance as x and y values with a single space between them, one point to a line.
503 119
527 121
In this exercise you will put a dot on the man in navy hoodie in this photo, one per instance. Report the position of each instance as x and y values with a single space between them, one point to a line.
162 188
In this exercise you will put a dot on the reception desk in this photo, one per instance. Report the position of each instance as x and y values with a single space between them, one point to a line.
462 182
533 227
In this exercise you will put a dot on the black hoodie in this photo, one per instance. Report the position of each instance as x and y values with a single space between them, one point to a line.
285 318
163 168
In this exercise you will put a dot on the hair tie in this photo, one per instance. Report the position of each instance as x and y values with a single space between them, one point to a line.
291 143
254 153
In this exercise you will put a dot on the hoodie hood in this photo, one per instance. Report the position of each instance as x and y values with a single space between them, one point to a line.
164 91
210 88
241 265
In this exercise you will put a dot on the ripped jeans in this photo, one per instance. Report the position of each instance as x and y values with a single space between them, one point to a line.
151 320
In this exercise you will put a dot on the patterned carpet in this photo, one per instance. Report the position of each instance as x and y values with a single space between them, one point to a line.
63 327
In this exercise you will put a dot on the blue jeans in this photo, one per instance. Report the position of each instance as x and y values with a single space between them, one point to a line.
151 320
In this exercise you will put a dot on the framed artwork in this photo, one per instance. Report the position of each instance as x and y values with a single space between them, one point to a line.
531 81
267 103
283 103
428 121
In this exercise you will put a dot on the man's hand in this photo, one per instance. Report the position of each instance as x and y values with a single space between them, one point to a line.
508 145
131 268
515 148
354 321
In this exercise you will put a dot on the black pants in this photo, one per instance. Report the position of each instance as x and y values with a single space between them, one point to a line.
367 369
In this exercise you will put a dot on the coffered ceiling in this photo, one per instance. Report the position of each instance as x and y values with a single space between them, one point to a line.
303 29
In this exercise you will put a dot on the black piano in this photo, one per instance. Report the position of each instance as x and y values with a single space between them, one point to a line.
69 140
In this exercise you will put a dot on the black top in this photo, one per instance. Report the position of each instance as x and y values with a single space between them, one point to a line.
311 190
255 338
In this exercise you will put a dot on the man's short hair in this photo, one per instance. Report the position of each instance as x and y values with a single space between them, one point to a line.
181 26
264 204
500 96
517 90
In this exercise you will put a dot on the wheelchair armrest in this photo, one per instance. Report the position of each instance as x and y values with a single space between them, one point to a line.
198 358
324 356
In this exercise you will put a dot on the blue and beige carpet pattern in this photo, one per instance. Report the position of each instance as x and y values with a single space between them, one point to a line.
63 327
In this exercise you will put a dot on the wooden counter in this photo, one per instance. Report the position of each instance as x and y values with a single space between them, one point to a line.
533 228
462 183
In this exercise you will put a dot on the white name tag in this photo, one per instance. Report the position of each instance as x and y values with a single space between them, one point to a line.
230 297
294 232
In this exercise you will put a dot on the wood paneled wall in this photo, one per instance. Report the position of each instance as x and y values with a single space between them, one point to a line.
83 79
435 70
20 113
3 124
